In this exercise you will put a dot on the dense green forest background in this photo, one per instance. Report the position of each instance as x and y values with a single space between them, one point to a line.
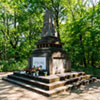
77 22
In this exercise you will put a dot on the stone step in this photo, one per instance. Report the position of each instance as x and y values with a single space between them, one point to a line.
77 79
45 86
70 75
84 82
39 90
53 78
48 86
54 91
45 79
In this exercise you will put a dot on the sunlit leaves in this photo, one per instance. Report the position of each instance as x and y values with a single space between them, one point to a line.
21 23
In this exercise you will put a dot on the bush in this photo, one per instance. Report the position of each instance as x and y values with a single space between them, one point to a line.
88 70
8 66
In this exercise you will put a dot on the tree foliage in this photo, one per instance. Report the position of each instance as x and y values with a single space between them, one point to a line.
77 22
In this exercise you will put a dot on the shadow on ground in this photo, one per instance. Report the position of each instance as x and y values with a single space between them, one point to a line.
88 92
9 91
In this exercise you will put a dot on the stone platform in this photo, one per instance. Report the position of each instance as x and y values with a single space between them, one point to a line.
50 85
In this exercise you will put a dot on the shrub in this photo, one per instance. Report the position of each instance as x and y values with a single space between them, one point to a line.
8 66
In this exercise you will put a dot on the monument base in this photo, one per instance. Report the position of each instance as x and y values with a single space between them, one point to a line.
50 85
56 60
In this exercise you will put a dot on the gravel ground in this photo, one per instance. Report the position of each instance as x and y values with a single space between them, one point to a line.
10 91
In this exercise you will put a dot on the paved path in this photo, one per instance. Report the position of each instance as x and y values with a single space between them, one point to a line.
10 91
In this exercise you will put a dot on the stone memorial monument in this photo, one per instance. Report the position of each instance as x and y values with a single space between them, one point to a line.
49 52
50 55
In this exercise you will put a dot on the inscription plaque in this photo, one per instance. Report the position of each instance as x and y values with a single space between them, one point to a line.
39 61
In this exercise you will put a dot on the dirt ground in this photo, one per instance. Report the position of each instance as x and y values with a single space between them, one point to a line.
9 91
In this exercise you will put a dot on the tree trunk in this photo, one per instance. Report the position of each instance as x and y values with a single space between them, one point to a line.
4 35
82 51
93 37
30 30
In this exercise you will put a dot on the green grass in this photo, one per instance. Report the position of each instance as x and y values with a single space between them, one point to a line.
88 70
